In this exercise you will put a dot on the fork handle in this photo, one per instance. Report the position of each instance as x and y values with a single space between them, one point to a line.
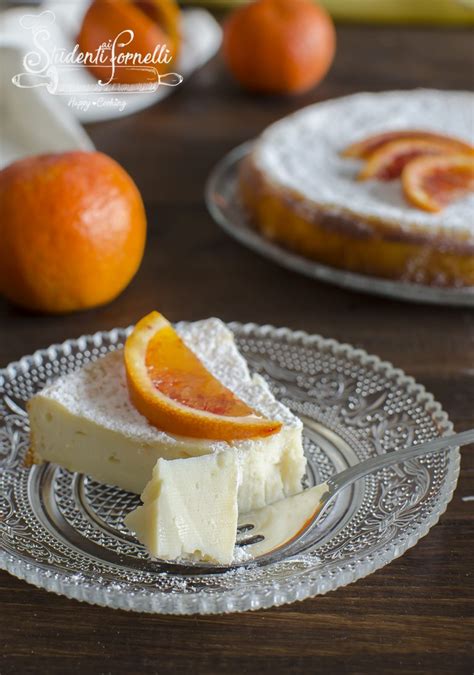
368 466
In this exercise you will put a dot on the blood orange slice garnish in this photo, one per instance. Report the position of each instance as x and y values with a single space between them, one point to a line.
388 161
433 182
172 388
367 146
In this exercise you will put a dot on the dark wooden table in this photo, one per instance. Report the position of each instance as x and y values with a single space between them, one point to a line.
413 616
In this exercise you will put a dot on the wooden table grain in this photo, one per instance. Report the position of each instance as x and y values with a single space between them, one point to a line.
413 616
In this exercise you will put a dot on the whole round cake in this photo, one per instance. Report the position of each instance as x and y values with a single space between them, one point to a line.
304 192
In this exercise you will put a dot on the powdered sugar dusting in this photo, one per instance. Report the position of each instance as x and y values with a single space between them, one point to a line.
99 391
241 554
302 153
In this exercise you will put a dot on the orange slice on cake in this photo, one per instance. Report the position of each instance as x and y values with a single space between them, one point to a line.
388 161
364 148
172 388
433 182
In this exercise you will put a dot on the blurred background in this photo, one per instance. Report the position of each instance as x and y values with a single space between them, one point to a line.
368 11
191 270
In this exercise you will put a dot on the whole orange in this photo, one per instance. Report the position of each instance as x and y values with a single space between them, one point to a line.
154 23
279 46
72 231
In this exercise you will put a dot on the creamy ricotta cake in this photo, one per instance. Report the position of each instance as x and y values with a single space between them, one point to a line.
190 509
85 422
302 193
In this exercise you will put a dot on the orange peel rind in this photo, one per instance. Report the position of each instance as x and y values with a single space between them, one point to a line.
364 148
388 161
433 182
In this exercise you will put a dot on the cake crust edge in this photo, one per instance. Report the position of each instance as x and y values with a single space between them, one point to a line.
346 241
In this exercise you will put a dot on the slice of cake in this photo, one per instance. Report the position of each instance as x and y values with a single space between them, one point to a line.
85 422
189 509
303 193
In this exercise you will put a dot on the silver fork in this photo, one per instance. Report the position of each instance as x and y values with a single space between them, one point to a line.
263 531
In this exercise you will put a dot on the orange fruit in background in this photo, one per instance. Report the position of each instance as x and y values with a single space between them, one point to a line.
170 386
153 22
279 46
72 231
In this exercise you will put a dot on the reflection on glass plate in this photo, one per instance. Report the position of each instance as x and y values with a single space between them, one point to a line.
65 532
225 207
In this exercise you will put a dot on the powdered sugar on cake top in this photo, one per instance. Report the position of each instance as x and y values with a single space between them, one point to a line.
302 153
99 391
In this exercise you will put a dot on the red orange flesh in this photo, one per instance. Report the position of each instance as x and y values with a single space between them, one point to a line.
365 147
171 387
431 183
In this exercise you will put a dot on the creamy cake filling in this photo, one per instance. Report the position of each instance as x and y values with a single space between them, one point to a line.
189 509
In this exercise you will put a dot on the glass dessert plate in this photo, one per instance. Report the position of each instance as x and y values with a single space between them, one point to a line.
225 207
64 532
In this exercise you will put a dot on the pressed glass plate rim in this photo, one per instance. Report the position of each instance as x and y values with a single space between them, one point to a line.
97 591
250 237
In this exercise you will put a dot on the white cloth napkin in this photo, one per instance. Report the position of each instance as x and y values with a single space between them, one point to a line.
33 120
